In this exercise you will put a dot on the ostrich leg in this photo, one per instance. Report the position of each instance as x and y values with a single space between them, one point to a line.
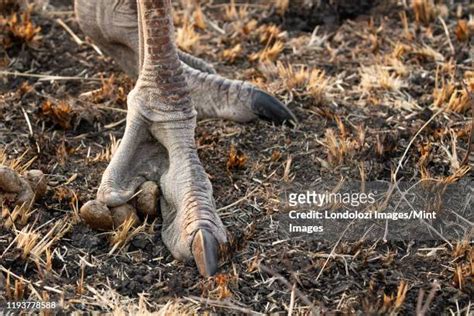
159 145
113 25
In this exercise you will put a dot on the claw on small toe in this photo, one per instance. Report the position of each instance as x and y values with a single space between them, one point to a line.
113 197
269 108
205 251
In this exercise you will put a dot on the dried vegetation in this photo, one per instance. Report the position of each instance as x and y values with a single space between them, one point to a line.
383 96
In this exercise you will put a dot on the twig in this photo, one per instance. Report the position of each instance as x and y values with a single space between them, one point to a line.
470 97
215 27
292 300
301 295
331 254
222 304
413 140
238 201
30 128
446 31
73 35
421 308
46 77
115 124
104 107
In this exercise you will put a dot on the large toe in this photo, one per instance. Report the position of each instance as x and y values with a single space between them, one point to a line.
269 108
205 250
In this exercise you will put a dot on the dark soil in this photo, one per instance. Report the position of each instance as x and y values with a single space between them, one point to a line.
261 269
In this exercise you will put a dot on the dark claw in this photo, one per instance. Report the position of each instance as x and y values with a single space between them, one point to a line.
205 251
269 108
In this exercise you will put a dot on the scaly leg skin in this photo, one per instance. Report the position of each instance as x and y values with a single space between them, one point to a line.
159 145
113 25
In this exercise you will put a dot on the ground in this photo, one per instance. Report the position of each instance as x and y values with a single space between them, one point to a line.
373 91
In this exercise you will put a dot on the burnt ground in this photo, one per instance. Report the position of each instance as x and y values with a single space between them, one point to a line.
367 89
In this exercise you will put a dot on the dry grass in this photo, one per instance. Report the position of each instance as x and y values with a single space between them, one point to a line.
187 38
199 20
19 28
378 77
298 80
269 53
392 304
17 163
111 89
26 240
124 233
282 6
33 244
318 85
267 33
19 215
60 112
231 54
295 78
120 305
396 65
445 92
424 11
107 153
338 147
428 52
231 13
306 73
236 160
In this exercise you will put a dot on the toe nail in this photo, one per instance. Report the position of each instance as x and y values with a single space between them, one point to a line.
112 197
205 252
269 108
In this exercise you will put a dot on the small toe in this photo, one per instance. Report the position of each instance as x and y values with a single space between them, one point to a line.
147 199
9 180
97 215
37 181
123 213
205 251
269 108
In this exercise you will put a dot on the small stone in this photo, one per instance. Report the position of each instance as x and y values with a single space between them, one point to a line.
38 182
123 212
97 215
147 199
9 180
